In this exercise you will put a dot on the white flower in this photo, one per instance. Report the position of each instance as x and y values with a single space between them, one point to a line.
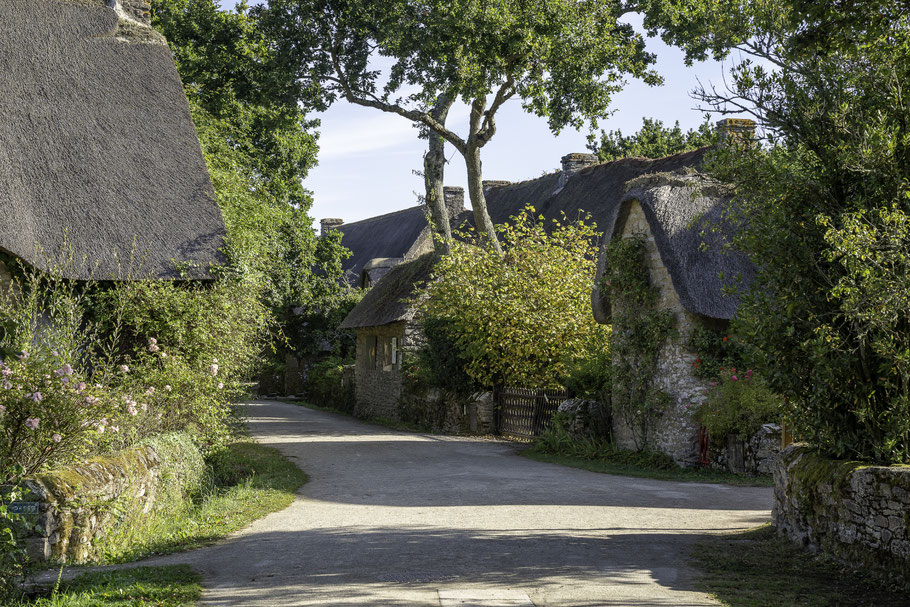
124 369
167 388
213 369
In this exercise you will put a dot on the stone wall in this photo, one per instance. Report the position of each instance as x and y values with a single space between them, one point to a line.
858 513
448 413
378 387
75 507
675 432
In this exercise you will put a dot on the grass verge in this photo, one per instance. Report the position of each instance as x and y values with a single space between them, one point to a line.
174 586
247 481
758 569
622 463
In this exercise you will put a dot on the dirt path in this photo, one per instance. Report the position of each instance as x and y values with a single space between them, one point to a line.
391 518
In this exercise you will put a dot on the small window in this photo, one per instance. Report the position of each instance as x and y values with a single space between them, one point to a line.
374 352
394 353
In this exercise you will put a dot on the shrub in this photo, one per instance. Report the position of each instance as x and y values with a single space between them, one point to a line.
522 316
324 384
738 404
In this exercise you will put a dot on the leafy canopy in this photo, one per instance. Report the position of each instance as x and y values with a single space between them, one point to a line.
653 140
827 207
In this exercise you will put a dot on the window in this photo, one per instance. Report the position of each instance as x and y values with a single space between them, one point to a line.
393 358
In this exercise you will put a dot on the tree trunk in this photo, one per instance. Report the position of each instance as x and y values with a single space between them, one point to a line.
433 179
475 178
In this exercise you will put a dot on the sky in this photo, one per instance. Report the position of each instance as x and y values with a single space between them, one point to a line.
367 158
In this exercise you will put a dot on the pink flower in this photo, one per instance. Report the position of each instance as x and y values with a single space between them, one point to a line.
215 360
7 386
167 388
124 369
152 341
80 386
733 377
213 369
32 422
150 391
153 348
35 396
6 372
131 409
56 438
115 428
144 406
55 354
164 355
100 429
66 369
64 380
220 385
91 400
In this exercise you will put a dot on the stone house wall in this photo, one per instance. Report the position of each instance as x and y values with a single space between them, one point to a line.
857 513
377 378
675 432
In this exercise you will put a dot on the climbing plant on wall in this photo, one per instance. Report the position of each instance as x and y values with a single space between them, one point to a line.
639 331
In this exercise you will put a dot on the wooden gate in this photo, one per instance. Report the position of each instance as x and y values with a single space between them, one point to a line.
526 413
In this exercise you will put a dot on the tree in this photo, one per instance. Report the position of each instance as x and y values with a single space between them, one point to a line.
564 59
522 317
257 142
827 205
653 140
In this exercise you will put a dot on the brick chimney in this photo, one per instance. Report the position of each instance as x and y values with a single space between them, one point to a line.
330 223
736 129
454 199
572 163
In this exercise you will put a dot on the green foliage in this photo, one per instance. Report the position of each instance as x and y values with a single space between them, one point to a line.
639 331
170 586
439 363
523 317
653 140
246 481
324 384
13 556
826 207
716 349
738 403
591 376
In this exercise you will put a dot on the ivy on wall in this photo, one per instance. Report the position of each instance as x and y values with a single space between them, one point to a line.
639 331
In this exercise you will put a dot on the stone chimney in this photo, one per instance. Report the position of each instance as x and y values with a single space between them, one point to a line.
494 183
330 223
736 129
572 163
454 199
140 10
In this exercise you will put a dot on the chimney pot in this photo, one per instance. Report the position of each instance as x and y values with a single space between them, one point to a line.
736 129
330 223
454 199
572 163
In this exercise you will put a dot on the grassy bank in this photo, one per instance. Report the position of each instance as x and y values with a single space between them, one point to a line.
759 569
627 463
246 482
174 586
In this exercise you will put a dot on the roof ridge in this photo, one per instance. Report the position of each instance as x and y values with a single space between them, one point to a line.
375 217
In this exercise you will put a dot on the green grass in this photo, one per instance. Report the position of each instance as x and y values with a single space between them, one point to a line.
759 569
247 481
627 463
174 586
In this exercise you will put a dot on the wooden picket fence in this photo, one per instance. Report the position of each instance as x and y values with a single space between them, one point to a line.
524 413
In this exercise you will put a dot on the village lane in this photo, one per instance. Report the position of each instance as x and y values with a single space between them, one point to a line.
394 518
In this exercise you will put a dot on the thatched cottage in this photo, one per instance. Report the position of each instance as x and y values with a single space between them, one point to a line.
99 157
668 203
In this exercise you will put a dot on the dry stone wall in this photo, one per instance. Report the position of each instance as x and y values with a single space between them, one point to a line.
76 507
858 513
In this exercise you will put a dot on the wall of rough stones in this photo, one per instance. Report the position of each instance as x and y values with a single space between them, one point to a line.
76 507
675 432
378 389
448 413
858 513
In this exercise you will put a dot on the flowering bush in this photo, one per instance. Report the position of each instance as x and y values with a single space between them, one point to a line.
738 403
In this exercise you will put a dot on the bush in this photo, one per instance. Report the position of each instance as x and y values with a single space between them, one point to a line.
324 385
738 404
520 317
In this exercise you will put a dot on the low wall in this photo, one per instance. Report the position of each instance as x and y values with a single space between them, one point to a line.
449 414
75 507
858 513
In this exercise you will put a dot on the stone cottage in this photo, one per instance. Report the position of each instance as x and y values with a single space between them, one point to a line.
385 328
99 158
673 208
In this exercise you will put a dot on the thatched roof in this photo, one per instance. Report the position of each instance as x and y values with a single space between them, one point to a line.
98 152
387 302
386 236
688 216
